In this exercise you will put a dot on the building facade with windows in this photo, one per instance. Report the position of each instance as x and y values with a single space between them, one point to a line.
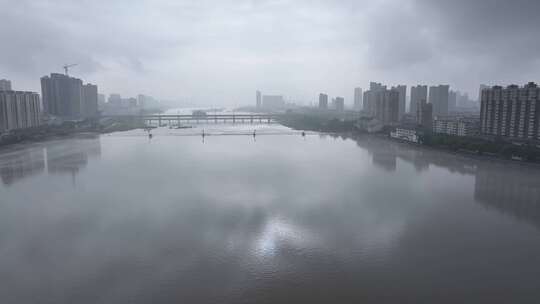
5 85
456 127
511 112
19 110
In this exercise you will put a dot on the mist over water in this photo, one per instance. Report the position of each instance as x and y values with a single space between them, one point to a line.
122 218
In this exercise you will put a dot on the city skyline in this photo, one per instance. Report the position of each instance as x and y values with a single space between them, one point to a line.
297 48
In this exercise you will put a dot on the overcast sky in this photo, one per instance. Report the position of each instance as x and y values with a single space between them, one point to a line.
221 51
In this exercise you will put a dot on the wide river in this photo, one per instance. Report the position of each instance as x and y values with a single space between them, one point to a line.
278 218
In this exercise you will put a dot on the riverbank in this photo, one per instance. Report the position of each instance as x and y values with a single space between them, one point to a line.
66 130
475 147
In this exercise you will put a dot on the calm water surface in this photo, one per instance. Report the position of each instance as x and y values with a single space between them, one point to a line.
274 219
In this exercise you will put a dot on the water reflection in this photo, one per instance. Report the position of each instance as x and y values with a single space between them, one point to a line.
385 154
18 164
511 189
71 156
55 157
288 220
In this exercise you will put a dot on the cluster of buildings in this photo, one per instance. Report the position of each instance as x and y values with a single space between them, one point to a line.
118 105
384 104
68 98
511 112
338 103
389 105
62 97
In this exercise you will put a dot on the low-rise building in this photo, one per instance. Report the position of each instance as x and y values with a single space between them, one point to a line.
456 126
406 134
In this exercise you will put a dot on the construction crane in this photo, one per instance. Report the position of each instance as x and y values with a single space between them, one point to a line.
67 66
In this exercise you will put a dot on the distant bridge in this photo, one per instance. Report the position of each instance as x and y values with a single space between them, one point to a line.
208 118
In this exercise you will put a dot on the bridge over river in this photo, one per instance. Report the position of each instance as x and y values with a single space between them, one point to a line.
195 119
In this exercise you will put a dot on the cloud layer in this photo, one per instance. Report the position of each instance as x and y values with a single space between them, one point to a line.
220 52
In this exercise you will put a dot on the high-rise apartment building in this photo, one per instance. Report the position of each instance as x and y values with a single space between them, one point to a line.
424 114
5 85
402 90
511 112
370 97
358 99
89 106
67 97
452 101
62 95
339 104
438 97
387 106
323 101
418 93
19 110
482 87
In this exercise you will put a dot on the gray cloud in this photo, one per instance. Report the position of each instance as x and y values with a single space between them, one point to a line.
213 52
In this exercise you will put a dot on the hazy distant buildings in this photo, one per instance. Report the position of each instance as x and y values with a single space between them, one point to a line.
466 104
339 104
383 104
118 105
258 98
358 99
101 101
115 100
438 97
452 101
19 110
66 97
511 112
273 102
418 93
424 114
391 107
387 106
323 101
370 98
5 85
89 101
402 90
